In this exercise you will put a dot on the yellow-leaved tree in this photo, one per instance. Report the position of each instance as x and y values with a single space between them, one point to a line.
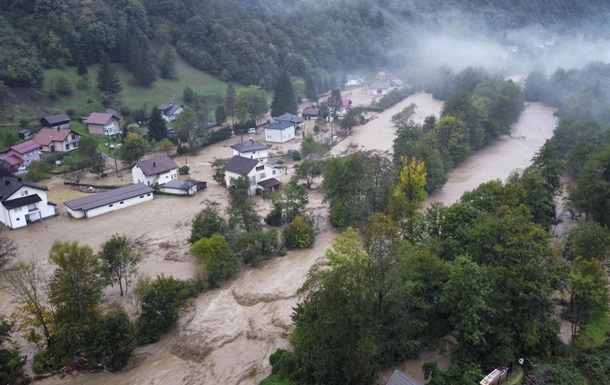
410 191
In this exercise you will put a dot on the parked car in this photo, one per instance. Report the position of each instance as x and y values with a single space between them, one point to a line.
252 130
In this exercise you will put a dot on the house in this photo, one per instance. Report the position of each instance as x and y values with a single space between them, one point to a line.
261 175
183 187
103 124
380 75
399 378
291 118
170 111
353 80
310 112
21 155
251 149
111 200
56 121
157 170
57 140
346 106
280 132
23 202
396 83
380 88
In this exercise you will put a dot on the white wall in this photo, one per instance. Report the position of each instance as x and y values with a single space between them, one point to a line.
137 176
279 136
117 205
16 217
260 155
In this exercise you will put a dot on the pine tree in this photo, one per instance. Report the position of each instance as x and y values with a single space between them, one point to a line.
167 65
107 80
157 129
283 96
230 101
310 89
81 66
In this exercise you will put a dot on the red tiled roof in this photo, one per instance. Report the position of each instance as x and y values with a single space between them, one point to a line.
47 135
25 147
13 160
99 118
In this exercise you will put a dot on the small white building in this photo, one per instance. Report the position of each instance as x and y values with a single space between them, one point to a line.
280 132
170 111
380 88
23 202
183 187
251 149
353 80
157 170
111 200
261 175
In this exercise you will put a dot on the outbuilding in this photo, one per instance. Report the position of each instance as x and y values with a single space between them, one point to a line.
183 187
111 200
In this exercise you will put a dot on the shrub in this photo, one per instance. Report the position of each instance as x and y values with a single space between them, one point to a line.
294 154
299 234
216 254
63 86
184 170
252 247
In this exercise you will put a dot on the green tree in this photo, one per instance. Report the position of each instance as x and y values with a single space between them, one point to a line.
308 171
11 361
114 339
107 80
284 100
185 124
219 261
409 192
166 145
299 234
118 261
93 158
230 99
298 85
588 241
167 65
310 89
252 247
250 104
134 148
312 149
207 222
242 216
157 128
288 202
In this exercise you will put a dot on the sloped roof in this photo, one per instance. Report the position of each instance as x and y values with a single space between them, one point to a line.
9 184
13 159
100 118
249 145
397 82
55 119
25 147
346 102
240 165
156 165
380 85
19 202
47 135
288 117
271 182
399 378
282 125
180 184
311 111
169 109
108 197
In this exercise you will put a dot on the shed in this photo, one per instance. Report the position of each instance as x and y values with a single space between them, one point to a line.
183 187
111 200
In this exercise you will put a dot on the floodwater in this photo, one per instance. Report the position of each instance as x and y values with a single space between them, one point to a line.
227 335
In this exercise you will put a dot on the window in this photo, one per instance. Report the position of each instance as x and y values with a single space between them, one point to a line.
141 196
260 168
17 209
273 172
253 180
263 175
67 146
110 205
24 193
121 202
148 194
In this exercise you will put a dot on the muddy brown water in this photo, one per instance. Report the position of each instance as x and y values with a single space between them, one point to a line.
226 337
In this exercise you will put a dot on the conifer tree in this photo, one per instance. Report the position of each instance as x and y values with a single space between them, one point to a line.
157 129
283 96
230 101
107 80
310 89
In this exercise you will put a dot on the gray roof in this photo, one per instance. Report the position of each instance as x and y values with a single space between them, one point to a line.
249 145
169 109
9 184
311 111
279 125
271 182
156 165
180 184
288 117
55 119
240 165
108 197
19 202
399 378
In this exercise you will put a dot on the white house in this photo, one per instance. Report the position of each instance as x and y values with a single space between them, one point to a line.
291 118
170 111
23 202
251 149
353 80
280 132
380 88
261 175
103 124
111 200
157 170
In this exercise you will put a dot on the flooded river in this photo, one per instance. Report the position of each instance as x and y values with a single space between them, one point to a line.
229 333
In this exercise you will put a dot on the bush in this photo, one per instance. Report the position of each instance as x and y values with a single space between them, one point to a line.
252 247
220 261
294 155
299 234
63 86
184 170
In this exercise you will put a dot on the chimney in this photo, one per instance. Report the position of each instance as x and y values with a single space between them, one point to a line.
58 128
7 182
154 164
251 141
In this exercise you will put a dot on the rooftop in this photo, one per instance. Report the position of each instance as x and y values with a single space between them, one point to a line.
249 145
399 378
288 117
55 119
108 197
9 184
156 165
25 147
100 118
240 165
47 135
279 125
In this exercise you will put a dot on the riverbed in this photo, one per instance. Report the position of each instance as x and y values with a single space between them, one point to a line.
228 334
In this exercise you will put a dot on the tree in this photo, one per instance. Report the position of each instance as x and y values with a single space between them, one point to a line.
410 191
242 216
284 100
220 114
167 64
27 283
133 149
335 101
207 222
298 85
299 234
107 80
252 247
8 249
118 261
310 89
230 101
166 145
288 202
11 361
188 95
94 160
219 261
349 121
157 128
185 124
250 104
312 149
308 170
588 241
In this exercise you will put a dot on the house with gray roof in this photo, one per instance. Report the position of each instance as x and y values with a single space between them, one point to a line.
157 170
23 202
251 149
399 378
262 176
291 118
280 131
111 200
60 120
183 187
170 111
